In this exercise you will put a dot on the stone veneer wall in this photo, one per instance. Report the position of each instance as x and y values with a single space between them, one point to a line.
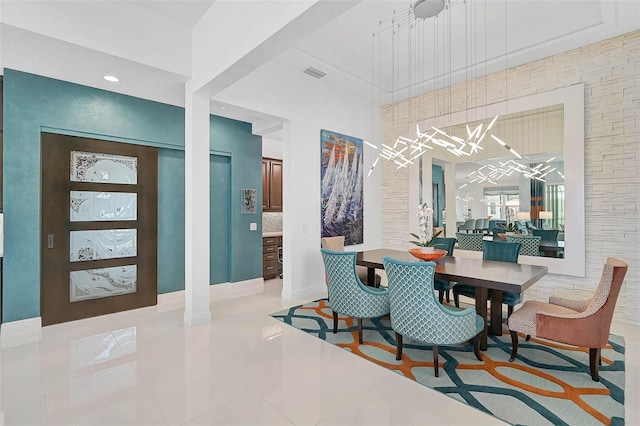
610 71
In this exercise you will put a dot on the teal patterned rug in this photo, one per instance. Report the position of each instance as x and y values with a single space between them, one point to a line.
549 383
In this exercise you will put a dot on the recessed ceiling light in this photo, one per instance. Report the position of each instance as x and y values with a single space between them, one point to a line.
111 78
223 108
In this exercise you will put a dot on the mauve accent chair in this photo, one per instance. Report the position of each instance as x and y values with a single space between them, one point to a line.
415 313
347 295
585 323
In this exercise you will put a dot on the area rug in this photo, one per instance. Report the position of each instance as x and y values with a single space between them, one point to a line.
549 383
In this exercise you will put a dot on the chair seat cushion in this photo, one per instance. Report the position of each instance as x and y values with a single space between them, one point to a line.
465 290
509 298
442 285
523 320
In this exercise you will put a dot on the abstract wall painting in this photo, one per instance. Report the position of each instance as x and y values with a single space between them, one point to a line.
342 187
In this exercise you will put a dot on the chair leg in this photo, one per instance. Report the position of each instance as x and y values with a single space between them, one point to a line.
440 296
594 356
398 347
528 337
456 299
476 346
335 322
448 298
509 310
514 345
434 348
360 330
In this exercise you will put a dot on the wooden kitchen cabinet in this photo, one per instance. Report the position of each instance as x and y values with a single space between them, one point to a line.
271 268
271 185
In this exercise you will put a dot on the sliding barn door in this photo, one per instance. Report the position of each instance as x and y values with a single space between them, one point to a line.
99 227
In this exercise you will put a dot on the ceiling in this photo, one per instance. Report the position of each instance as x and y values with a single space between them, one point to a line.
148 43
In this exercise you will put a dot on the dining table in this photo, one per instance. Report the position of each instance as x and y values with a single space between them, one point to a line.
484 275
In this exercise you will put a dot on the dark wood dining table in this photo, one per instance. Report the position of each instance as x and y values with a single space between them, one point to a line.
484 275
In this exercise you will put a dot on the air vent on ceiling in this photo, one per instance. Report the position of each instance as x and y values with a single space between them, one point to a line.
314 72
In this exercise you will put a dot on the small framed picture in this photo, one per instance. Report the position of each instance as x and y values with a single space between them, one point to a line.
249 201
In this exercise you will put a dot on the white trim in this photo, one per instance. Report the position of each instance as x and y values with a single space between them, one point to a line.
16 333
306 293
236 289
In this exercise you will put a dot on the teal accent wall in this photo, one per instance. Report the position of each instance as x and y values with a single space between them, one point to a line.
437 177
234 137
220 208
170 220
34 103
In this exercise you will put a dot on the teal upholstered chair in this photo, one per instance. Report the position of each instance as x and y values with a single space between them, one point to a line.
530 245
469 225
546 234
443 286
502 252
347 295
495 232
469 241
416 314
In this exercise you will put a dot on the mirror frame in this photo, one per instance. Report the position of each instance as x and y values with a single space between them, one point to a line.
572 98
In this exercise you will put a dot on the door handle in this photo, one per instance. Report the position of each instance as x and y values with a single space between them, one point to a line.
50 241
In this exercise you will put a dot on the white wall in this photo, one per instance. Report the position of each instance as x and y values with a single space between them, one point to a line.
272 148
308 105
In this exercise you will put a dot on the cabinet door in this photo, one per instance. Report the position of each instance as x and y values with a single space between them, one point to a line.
275 186
265 185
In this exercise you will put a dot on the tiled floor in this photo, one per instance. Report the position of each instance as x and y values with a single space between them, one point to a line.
244 368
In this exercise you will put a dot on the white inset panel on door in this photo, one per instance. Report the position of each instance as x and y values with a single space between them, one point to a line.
103 168
102 244
104 282
91 206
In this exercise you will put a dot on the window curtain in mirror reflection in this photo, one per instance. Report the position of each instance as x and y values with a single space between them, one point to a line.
537 201
555 204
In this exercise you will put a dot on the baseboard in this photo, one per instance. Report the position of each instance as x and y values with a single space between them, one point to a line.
16 333
236 289
170 301
317 291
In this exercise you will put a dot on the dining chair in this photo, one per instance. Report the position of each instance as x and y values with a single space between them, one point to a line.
585 323
415 313
443 286
469 241
530 245
501 252
347 295
337 244
495 232
546 234
469 225
479 226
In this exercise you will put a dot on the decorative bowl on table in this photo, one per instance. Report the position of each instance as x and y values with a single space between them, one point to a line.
433 255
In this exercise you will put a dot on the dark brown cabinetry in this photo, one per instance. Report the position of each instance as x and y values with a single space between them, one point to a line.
271 185
271 268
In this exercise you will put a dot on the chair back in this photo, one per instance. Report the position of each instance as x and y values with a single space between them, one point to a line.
479 224
495 232
502 252
468 224
347 295
530 245
444 244
485 223
415 312
333 243
469 241
546 234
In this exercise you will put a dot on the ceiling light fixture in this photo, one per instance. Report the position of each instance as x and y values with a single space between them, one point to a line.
315 73
111 78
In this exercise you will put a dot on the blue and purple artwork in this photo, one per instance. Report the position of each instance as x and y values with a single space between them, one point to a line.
342 187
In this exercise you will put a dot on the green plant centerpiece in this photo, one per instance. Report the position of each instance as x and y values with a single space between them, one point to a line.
508 228
425 237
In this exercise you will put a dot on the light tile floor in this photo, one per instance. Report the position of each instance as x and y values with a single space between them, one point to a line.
144 367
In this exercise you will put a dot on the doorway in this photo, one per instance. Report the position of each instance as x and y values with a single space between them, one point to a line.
98 227
220 222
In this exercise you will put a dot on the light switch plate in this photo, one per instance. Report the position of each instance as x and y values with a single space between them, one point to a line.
253 226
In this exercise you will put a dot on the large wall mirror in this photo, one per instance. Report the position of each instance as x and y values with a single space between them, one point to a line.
529 167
